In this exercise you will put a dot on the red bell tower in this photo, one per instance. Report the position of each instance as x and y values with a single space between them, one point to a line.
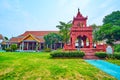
80 34
81 38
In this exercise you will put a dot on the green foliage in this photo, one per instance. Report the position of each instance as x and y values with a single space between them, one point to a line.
110 35
117 48
113 56
101 54
13 47
110 30
95 29
64 30
114 61
113 18
116 55
110 56
67 54
47 49
6 38
52 38
8 49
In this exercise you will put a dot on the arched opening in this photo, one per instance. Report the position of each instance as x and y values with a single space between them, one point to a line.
82 42
78 42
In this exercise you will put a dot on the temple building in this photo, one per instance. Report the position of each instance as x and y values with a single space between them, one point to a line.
30 39
81 37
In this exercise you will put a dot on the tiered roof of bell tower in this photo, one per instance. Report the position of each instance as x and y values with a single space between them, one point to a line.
80 16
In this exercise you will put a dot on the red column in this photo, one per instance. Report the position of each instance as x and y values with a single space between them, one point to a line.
90 42
84 41
73 42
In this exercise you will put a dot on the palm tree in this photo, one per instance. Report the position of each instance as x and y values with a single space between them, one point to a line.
64 30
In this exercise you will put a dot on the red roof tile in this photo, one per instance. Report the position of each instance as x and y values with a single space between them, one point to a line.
15 39
37 34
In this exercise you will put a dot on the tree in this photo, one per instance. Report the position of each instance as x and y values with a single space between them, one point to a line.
6 38
64 30
108 32
13 47
52 38
113 18
95 29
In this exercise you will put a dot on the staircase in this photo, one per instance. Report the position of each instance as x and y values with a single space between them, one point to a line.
89 53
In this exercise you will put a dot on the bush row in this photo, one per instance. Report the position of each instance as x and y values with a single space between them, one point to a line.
67 54
101 54
12 48
109 56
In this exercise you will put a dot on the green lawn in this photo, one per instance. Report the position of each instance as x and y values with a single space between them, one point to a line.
117 62
39 66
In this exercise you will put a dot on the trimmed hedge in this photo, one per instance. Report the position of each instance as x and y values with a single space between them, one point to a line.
101 54
109 56
67 54
117 56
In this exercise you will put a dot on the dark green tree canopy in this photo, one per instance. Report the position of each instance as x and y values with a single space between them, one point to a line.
110 30
52 38
113 18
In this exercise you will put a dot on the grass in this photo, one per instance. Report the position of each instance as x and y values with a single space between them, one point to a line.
114 61
39 66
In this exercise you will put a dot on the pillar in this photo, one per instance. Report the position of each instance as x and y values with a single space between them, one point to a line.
84 41
22 45
40 46
73 42
90 42
27 45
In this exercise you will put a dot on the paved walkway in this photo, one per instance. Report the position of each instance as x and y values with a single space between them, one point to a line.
111 69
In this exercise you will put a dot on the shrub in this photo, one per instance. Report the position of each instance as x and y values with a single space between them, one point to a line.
8 49
47 49
116 55
101 54
117 48
13 47
110 56
67 54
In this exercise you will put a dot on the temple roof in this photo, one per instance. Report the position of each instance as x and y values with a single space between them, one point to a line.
37 35
79 15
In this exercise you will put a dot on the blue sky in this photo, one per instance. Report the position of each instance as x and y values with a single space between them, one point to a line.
18 16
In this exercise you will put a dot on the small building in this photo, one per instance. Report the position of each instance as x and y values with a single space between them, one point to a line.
30 39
